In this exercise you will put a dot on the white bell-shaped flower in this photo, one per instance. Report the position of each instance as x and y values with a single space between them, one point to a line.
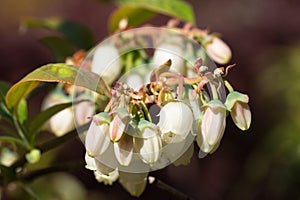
97 138
124 150
173 52
83 110
149 143
134 183
63 121
90 162
175 123
106 62
108 178
213 122
103 174
119 124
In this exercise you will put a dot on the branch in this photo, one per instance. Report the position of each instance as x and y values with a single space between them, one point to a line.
167 188
44 147
41 172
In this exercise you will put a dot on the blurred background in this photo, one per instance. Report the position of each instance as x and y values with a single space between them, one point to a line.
261 163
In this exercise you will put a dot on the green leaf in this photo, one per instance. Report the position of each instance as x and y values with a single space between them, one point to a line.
39 120
4 87
12 139
135 16
59 72
60 47
9 173
22 111
174 8
78 34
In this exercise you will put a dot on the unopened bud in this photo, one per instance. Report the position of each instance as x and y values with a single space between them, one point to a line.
237 104
217 50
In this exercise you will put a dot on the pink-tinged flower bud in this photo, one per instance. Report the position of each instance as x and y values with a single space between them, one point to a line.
97 139
134 183
217 49
237 104
173 52
124 150
107 62
204 146
149 143
213 122
63 121
119 124
175 122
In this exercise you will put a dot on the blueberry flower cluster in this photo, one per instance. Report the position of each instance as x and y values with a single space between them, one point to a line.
126 132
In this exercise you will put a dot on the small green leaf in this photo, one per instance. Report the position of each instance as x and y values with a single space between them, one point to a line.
76 33
22 111
59 72
60 47
135 16
174 8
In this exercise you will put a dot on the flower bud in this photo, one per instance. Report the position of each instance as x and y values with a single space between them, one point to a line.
97 139
173 52
124 150
33 156
106 62
134 183
119 124
237 104
217 49
149 145
175 122
213 122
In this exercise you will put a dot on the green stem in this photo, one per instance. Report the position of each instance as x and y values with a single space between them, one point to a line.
53 143
228 86
29 191
60 140
21 133
129 62
146 111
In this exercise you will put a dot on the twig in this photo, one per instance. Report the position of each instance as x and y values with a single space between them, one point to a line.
167 188
41 172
